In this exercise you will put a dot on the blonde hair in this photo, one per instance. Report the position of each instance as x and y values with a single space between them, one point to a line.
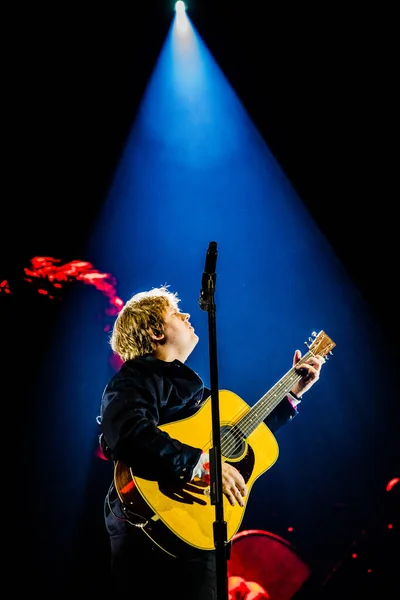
141 317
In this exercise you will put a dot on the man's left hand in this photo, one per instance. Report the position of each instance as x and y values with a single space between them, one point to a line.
309 369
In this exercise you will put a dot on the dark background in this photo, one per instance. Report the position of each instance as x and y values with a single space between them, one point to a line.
320 85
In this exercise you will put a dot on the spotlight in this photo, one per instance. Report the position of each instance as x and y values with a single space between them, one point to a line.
180 7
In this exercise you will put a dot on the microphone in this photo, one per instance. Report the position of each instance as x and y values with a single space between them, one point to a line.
209 275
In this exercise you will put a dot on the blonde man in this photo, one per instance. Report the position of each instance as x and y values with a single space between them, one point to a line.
153 387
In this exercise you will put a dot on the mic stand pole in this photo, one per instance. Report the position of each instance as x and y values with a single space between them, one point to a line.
207 302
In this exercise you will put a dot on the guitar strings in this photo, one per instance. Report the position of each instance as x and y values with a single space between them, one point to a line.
233 436
247 423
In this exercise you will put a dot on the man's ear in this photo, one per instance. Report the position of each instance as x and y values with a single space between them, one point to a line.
157 337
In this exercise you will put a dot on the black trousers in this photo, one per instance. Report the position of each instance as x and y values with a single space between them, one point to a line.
142 570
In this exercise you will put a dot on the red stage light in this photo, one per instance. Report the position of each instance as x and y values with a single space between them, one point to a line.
392 483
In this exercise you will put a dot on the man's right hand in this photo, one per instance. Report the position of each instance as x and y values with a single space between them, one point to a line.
233 485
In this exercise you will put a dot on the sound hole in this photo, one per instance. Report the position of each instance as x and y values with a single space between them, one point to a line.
232 442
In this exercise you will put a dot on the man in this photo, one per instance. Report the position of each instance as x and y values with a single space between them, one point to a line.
155 387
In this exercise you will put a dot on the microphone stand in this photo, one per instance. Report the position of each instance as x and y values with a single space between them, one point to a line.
207 302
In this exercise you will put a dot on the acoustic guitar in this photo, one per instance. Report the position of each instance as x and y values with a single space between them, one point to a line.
180 517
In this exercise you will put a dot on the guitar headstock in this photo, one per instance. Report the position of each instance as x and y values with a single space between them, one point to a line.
321 345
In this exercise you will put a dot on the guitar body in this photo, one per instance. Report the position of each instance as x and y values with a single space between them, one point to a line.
176 516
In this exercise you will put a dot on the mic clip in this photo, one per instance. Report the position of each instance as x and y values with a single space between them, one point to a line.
207 290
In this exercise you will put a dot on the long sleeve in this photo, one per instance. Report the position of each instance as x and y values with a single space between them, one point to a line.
282 414
129 419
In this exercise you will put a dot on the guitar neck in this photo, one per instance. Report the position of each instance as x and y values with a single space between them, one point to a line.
266 404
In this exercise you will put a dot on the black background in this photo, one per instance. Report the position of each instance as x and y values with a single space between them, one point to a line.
319 83
320 86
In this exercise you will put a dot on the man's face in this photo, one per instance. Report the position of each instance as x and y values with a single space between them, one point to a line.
178 332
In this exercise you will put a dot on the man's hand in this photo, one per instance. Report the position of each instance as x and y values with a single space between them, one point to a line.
233 484
310 371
